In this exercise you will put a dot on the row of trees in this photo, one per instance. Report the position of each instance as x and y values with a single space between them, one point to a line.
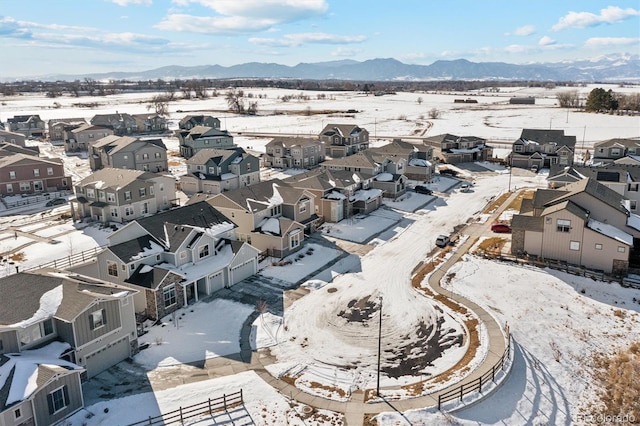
600 100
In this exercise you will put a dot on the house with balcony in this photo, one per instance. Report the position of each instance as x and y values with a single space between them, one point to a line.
121 195
188 122
613 150
175 258
539 148
81 137
453 149
29 174
121 123
57 129
341 140
299 153
13 138
150 123
271 216
211 171
203 137
31 126
126 152
583 223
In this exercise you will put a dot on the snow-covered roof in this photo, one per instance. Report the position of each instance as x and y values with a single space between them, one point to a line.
366 194
419 162
610 231
634 221
49 304
148 251
227 176
270 225
384 177
334 195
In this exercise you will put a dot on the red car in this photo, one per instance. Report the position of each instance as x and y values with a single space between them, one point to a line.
500 227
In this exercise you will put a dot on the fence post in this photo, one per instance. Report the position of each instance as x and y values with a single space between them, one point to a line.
480 384
54 264
241 397
439 401
181 419
461 393
493 374
209 405
150 421
224 399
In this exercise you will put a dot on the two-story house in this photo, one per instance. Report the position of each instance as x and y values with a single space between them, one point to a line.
188 122
150 123
341 140
300 153
175 258
418 158
271 216
126 152
120 195
57 129
538 148
32 126
611 150
28 174
203 137
80 138
583 223
13 137
452 149
212 171
121 123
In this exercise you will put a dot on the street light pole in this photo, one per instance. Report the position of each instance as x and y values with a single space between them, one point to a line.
379 347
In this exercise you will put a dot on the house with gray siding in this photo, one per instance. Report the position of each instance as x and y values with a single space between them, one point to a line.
341 140
452 149
150 123
611 150
126 152
121 195
175 258
121 123
81 137
57 129
188 122
13 138
299 153
203 137
418 157
28 125
538 148
211 171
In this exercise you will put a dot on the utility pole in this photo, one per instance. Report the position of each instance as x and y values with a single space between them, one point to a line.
379 347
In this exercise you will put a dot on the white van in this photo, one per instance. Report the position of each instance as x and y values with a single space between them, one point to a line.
442 241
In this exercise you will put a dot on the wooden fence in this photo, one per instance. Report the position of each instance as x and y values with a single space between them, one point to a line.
223 403
477 384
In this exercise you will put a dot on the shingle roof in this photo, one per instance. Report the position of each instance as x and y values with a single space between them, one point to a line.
125 251
595 189
150 279
291 142
527 223
15 158
544 136
625 142
115 178
257 196
218 155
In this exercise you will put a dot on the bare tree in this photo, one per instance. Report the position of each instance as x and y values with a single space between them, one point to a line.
568 99
235 101
419 100
159 103
434 113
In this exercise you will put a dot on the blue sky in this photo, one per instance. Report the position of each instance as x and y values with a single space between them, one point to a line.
40 37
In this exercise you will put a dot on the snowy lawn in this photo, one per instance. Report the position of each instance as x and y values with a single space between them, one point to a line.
409 201
198 332
360 228
295 267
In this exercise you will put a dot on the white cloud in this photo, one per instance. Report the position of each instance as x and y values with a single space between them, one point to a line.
608 15
596 42
294 40
128 2
343 52
213 24
546 41
524 30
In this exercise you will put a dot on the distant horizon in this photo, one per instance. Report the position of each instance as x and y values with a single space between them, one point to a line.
101 36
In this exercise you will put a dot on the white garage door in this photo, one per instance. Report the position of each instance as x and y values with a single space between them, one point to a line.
107 356
216 281
243 271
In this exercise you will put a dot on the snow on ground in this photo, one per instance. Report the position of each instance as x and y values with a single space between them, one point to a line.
311 258
196 332
409 202
360 228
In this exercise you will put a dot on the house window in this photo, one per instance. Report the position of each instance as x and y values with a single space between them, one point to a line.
58 400
36 172
127 195
633 204
50 171
598 246
563 225
96 319
128 211
112 268
158 155
114 212
12 174
294 238
10 188
25 186
151 190
111 197
145 156
169 296
17 413
203 251
574 245
143 192
633 187
248 167
125 157
615 152
303 208
517 148
621 249
47 327
101 195
145 208
145 167
91 193
276 210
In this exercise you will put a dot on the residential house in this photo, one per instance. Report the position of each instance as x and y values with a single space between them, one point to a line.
536 149
32 126
203 137
380 171
28 174
271 216
7 149
119 195
175 258
191 121
121 123
13 137
150 123
212 171
344 139
611 150
58 128
299 153
126 152
584 223
80 138
452 149
418 157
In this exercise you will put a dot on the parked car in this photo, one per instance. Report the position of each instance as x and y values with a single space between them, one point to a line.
442 241
56 202
501 227
420 189
465 187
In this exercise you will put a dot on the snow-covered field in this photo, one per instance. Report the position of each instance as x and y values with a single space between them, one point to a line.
547 312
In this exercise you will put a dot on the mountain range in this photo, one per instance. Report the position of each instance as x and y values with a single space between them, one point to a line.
618 68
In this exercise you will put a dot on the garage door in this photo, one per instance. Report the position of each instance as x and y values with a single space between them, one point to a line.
107 356
242 271
216 281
